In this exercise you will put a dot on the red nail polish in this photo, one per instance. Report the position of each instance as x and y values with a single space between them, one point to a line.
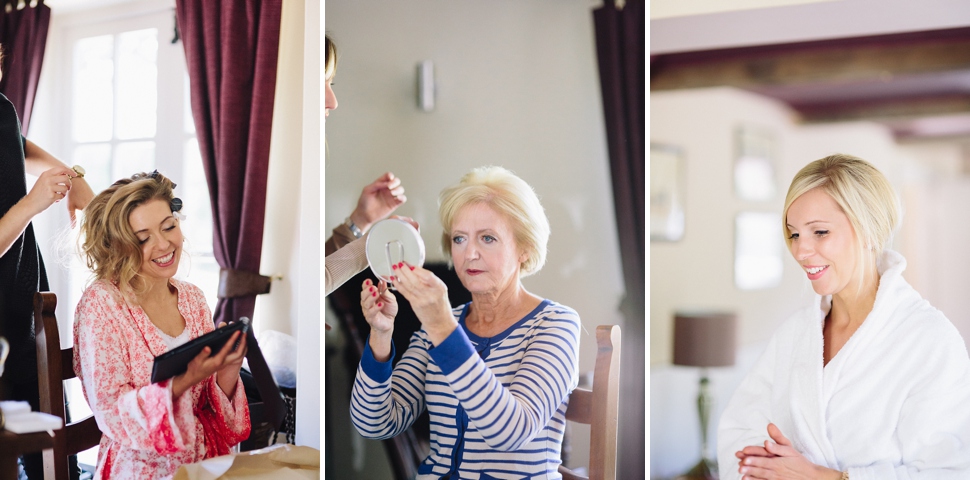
412 269
379 304
374 294
394 267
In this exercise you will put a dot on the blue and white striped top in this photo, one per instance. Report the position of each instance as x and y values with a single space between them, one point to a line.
497 405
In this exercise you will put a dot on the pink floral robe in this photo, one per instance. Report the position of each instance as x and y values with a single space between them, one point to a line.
147 434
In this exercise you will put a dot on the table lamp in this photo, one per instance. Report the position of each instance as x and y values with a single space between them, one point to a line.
704 340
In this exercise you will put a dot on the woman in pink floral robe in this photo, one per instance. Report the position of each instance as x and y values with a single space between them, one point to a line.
134 311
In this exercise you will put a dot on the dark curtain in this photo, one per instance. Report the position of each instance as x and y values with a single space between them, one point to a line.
23 34
231 49
621 52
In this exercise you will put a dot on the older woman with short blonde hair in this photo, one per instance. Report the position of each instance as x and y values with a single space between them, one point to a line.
495 374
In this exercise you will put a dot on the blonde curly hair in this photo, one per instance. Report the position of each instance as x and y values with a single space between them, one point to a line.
108 244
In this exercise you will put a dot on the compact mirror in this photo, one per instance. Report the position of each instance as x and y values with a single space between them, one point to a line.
390 242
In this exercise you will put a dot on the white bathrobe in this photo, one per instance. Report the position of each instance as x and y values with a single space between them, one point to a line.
894 403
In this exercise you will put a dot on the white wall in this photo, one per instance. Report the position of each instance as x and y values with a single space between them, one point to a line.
697 272
517 86
310 338
281 243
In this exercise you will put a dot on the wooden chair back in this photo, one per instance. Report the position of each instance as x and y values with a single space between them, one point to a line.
599 407
55 365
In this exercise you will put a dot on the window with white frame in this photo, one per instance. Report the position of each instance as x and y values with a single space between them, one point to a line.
123 107
130 113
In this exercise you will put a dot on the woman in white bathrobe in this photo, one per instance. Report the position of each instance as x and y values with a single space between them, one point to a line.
870 381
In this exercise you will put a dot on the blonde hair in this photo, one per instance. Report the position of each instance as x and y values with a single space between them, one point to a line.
108 244
864 195
331 58
512 198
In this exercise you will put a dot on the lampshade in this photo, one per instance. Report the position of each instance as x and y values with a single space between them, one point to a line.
704 339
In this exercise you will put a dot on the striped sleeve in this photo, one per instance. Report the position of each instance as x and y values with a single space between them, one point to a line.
510 417
385 402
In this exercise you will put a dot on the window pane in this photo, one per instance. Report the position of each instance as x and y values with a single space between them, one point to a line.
197 224
96 160
187 108
132 158
137 83
200 270
195 200
93 84
758 250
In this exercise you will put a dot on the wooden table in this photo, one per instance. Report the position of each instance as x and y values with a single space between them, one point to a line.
13 445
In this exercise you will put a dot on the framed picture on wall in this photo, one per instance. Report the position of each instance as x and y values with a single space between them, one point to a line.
754 163
667 188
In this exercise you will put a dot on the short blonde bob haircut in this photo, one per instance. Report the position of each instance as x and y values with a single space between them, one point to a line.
864 195
512 198
108 244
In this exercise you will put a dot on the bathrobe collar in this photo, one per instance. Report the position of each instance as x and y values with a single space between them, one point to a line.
153 340
812 384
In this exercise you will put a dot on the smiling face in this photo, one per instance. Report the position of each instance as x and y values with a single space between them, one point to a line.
484 251
160 237
824 243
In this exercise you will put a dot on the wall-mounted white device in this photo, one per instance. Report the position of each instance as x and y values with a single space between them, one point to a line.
426 86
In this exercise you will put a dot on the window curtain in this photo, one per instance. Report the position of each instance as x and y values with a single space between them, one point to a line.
231 49
621 53
23 34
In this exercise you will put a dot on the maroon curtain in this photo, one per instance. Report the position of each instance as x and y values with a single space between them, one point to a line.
620 49
23 34
231 49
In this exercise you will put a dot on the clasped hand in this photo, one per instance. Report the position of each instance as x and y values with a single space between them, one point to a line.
778 460
225 364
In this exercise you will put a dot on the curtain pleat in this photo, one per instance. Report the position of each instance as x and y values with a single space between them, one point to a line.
23 34
621 53
231 49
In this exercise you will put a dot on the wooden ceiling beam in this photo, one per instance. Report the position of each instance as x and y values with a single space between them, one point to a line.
884 110
866 59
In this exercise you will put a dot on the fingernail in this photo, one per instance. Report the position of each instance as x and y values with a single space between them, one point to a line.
412 268
374 294
744 470
379 304
393 278
401 264
394 267
372 289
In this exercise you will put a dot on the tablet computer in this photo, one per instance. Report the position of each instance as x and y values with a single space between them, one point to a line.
176 361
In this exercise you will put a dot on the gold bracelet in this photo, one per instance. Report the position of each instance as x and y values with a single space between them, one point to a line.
845 475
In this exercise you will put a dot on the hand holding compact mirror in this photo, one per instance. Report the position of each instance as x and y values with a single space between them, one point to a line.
390 242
